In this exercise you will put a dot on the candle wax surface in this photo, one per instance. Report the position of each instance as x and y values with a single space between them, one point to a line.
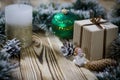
18 14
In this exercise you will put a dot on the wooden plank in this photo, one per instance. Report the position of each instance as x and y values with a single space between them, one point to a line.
74 72
45 62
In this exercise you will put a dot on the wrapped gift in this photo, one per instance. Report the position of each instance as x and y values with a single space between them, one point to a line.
94 37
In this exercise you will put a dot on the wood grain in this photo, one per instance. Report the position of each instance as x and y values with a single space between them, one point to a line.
45 62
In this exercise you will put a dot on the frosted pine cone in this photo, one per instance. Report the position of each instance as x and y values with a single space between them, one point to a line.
11 48
67 49
99 65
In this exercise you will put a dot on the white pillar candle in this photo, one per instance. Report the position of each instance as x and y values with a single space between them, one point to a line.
19 23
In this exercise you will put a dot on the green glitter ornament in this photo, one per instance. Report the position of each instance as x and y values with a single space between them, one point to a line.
62 24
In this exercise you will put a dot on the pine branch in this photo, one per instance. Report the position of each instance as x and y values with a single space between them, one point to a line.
2 25
115 49
115 14
2 29
110 73
90 5
42 15
11 48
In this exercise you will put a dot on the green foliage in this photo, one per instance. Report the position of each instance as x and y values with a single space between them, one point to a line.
2 23
115 49
90 5
116 10
115 14
84 4
110 73
2 29
2 39
2 26
11 48
43 15
5 68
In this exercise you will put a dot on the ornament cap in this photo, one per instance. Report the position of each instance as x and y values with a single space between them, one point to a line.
65 11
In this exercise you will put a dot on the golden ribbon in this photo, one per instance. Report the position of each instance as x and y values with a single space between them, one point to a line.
97 22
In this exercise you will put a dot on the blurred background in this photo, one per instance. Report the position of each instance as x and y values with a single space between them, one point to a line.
106 3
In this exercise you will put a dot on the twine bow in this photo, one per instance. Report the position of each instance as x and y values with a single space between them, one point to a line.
97 22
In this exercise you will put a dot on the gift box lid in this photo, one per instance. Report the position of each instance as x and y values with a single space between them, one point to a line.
88 25
87 22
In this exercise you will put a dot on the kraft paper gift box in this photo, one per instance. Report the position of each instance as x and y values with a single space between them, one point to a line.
93 40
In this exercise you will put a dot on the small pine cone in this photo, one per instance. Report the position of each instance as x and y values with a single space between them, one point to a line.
99 65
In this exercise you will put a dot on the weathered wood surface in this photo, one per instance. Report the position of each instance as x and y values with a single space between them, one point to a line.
45 62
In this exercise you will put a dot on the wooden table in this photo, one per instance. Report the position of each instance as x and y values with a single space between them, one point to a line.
46 62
